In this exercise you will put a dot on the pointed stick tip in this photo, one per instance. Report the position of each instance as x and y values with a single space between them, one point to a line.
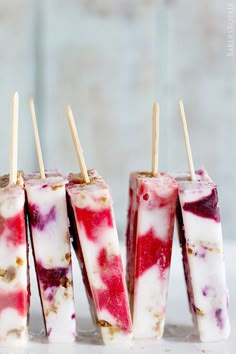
155 104
180 101
68 108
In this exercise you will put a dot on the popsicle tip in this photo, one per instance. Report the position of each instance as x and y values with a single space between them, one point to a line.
15 95
155 105
68 108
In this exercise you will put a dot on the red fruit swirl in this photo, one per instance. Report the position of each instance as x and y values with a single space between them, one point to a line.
206 207
17 300
77 246
52 277
94 221
37 219
152 250
113 298
15 227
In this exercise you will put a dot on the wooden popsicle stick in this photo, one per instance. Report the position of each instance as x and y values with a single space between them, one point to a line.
14 139
77 144
187 141
155 138
36 138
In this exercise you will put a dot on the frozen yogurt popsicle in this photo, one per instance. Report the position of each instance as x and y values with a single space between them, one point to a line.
149 236
97 247
52 255
14 276
200 237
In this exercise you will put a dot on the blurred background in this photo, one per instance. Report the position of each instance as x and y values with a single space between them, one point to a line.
110 60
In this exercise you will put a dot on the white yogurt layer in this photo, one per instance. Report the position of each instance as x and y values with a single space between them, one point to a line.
150 304
12 200
14 329
13 261
60 316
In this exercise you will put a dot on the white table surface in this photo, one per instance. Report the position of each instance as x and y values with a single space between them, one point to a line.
178 337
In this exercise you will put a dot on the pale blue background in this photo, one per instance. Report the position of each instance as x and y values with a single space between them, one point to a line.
110 60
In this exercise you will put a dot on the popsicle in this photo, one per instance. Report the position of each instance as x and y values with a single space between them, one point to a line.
149 244
14 281
50 238
149 236
200 236
14 275
95 236
52 255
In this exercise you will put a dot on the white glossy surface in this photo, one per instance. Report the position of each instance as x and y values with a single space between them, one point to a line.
150 303
178 336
